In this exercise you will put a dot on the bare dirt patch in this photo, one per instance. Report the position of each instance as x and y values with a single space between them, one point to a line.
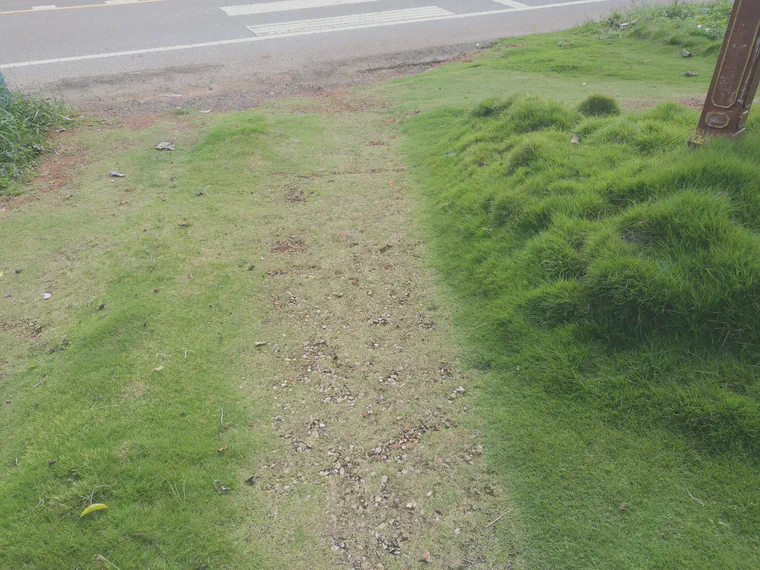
692 102
295 194
59 166
29 329
58 169
139 122
289 245
378 459
342 101
233 86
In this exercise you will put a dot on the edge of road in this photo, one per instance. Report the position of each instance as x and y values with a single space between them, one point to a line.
219 87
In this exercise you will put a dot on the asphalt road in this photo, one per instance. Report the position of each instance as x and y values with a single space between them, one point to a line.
156 52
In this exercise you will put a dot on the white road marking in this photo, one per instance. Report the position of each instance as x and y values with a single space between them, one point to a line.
353 22
512 4
57 8
268 7
263 38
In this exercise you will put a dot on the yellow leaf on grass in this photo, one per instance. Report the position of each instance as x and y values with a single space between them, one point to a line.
92 508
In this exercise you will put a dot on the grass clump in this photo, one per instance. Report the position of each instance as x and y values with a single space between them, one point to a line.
491 107
616 281
628 225
599 106
24 122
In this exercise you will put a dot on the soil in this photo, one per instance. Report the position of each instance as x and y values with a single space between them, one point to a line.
139 96
380 462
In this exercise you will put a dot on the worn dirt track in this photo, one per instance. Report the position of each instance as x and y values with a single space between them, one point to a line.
380 460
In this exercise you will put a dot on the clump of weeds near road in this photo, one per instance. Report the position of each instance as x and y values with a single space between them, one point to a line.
24 123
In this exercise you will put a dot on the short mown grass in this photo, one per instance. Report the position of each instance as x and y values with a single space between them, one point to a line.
123 387
609 278
24 123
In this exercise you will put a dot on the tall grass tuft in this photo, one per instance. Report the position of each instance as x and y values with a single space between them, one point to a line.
24 122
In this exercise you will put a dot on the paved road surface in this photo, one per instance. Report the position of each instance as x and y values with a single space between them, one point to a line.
100 52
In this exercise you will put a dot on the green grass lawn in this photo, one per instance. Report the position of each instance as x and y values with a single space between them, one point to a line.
606 295
609 289
113 389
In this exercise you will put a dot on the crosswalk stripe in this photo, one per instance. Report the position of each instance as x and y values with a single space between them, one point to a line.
54 8
512 4
353 22
284 6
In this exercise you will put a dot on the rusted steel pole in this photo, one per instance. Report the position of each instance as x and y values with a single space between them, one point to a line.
734 82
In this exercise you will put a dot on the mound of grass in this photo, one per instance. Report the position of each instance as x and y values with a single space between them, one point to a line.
599 106
24 122
616 279
623 242
607 289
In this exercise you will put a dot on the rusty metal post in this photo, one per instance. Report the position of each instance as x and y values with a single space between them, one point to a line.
736 76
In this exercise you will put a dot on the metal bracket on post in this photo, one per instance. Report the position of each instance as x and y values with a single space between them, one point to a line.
736 76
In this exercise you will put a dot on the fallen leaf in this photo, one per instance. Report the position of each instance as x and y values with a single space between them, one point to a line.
158 369
92 508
